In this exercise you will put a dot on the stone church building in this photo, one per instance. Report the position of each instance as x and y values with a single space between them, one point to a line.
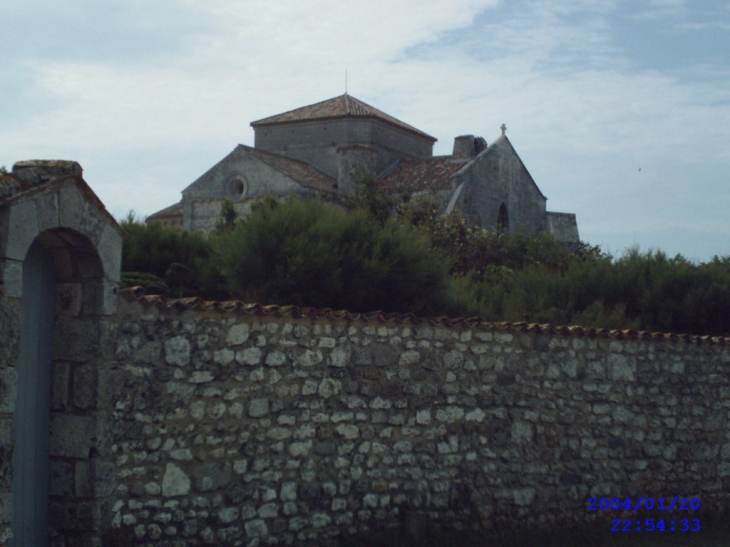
316 150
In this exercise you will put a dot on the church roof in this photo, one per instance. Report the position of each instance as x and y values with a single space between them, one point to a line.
298 171
344 106
171 211
434 173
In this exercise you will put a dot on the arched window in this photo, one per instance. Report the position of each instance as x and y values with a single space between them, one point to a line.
503 219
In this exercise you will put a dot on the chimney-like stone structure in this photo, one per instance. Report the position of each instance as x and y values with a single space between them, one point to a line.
468 146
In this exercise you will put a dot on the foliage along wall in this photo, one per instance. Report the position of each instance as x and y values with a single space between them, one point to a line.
243 425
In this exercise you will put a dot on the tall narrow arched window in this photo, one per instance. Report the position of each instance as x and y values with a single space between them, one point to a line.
503 219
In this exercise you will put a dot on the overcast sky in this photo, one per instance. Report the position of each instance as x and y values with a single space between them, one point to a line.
620 109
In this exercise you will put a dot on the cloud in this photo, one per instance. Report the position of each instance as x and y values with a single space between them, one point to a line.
583 116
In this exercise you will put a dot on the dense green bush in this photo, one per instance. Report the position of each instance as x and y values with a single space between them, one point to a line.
184 260
643 291
149 282
315 254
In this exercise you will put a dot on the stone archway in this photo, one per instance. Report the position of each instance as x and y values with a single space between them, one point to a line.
56 236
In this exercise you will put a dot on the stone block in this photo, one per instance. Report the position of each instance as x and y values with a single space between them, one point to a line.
522 432
150 353
85 386
524 496
6 507
8 389
329 387
92 224
69 298
310 358
110 252
47 208
177 351
275 359
7 442
409 357
175 482
104 478
249 356
258 408
256 528
621 367
100 297
75 339
212 476
84 480
223 356
12 277
340 357
60 376
72 436
72 206
384 355
74 516
23 225
237 334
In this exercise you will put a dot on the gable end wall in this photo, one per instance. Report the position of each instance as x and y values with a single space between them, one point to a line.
498 176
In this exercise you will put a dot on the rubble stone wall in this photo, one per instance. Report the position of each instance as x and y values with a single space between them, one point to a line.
236 429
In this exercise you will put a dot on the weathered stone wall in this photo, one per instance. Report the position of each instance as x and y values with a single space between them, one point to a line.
316 142
9 337
562 226
202 200
242 428
498 176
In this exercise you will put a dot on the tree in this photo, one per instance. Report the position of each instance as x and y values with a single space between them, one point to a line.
184 259
312 253
371 198
227 219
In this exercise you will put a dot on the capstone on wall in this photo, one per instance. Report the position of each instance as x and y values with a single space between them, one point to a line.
247 429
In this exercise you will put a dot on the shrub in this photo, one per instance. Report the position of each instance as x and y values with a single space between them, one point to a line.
184 259
149 282
312 253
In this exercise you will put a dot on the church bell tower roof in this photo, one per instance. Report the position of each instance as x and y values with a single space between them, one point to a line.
344 106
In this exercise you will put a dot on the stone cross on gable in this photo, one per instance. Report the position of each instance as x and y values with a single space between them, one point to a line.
504 129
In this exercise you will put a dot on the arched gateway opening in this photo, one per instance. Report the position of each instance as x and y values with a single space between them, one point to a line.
55 415
32 411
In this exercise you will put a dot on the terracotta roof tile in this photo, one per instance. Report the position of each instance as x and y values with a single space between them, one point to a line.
136 294
435 173
344 106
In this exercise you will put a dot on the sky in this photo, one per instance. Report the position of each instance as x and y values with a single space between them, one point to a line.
620 109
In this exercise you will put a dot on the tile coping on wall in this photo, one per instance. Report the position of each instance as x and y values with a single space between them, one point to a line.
196 303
